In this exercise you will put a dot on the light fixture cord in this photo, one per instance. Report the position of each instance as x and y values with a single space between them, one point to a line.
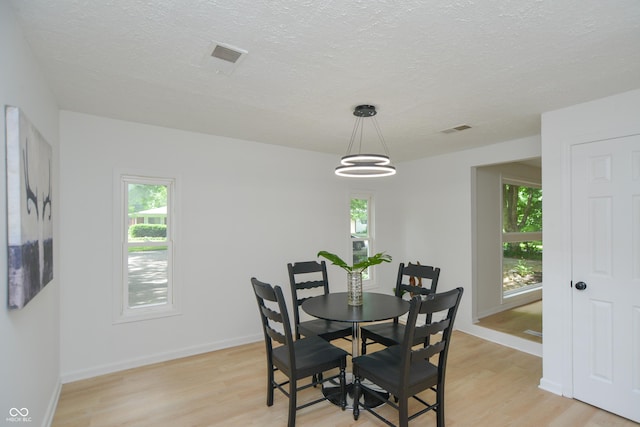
384 144
353 134
359 124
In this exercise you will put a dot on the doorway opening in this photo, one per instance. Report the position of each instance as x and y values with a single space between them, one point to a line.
508 248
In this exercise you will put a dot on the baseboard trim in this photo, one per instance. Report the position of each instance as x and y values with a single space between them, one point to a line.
517 343
82 374
550 386
53 404
509 304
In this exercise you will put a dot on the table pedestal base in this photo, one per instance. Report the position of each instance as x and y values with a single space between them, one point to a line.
367 394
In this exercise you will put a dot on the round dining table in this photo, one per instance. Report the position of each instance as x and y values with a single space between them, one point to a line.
333 306
375 307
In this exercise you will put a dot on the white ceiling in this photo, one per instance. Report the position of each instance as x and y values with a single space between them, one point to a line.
427 65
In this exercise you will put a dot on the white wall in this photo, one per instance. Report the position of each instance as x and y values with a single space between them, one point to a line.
435 213
30 342
244 209
606 118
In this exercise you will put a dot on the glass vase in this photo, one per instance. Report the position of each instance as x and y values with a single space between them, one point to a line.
354 289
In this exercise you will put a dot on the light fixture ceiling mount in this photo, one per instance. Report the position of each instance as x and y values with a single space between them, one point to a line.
365 165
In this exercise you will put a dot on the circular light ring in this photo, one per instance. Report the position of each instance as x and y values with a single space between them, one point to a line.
366 159
365 170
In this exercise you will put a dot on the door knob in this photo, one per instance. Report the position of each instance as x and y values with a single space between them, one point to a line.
581 286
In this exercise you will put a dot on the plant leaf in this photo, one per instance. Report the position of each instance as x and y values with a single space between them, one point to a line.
372 260
359 267
335 260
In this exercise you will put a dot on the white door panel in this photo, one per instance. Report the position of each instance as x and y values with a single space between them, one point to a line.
606 257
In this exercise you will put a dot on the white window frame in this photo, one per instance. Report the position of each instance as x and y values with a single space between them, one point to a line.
511 237
122 312
370 233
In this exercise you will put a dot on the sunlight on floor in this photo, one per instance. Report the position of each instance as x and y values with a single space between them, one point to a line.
524 321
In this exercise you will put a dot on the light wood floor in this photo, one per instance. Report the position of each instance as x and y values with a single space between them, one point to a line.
487 385
517 321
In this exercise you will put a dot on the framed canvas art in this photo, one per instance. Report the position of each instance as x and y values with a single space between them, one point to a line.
29 216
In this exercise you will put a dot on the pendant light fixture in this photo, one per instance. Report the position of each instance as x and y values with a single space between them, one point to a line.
365 165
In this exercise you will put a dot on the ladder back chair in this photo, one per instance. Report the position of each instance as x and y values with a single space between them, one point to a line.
296 359
308 279
406 370
410 280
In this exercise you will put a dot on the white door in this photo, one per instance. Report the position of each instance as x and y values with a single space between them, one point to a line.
605 190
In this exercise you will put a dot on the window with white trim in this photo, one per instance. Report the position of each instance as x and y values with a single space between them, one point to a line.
521 237
361 232
147 229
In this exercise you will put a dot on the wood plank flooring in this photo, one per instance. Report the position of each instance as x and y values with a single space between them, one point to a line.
487 385
517 321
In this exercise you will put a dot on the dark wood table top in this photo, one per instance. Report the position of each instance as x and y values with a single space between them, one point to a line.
375 307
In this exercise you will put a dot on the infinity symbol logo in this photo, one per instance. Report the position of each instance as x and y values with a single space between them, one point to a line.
14 412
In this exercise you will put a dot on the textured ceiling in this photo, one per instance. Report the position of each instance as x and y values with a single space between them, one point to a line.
427 65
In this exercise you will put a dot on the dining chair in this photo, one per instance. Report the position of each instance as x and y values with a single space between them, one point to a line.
308 279
296 359
410 280
406 370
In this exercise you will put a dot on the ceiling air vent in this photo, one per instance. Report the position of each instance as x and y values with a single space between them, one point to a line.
226 53
458 128
222 58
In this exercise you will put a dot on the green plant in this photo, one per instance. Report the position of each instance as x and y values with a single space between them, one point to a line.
148 230
523 269
146 248
359 267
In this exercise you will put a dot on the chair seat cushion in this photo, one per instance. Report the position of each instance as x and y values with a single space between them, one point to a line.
384 368
326 328
313 355
388 333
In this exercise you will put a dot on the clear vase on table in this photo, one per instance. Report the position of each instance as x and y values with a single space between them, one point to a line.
354 288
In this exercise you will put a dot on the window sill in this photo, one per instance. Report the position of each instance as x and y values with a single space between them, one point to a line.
142 314
522 291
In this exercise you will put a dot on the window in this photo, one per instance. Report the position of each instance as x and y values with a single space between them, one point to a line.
521 237
361 240
147 288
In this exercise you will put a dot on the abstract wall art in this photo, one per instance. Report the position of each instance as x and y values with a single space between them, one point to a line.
29 201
